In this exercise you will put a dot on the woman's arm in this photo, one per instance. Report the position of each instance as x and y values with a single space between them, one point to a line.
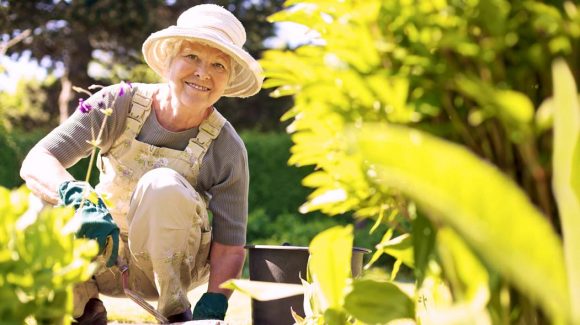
43 174
44 168
226 263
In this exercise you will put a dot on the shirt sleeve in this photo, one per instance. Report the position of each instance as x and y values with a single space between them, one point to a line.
70 141
228 191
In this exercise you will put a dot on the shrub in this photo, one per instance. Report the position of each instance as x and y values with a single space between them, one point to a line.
435 118
40 260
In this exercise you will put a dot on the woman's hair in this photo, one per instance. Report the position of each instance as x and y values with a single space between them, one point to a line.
171 48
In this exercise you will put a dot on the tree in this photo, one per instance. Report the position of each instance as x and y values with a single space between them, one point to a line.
67 33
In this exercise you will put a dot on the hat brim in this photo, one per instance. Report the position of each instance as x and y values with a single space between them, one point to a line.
246 79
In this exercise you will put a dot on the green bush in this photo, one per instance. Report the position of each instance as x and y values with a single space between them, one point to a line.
274 186
15 145
40 260
276 195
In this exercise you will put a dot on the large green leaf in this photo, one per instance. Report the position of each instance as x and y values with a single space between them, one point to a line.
513 108
484 207
378 302
264 291
330 263
466 299
467 276
566 179
423 243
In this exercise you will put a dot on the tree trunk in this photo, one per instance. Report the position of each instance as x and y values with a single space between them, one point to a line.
76 60
64 97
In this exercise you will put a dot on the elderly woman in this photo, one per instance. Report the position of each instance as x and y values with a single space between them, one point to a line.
166 157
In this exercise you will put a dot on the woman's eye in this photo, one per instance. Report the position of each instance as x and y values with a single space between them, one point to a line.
219 66
191 56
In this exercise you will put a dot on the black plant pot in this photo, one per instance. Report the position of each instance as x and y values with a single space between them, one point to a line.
285 264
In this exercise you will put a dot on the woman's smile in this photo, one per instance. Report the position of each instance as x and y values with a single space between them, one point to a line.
197 87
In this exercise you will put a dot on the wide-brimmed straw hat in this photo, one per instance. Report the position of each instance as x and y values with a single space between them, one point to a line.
214 26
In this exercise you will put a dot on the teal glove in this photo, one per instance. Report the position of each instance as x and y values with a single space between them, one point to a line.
211 306
95 220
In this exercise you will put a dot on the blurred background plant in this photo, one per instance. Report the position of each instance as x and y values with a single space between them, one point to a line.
436 119
40 261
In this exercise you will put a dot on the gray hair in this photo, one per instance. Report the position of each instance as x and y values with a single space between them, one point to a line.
171 48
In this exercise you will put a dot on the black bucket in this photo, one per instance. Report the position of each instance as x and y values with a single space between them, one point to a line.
285 264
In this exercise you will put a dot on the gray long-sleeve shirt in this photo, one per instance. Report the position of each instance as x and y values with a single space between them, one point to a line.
223 176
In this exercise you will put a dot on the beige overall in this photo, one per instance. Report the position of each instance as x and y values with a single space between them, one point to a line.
165 233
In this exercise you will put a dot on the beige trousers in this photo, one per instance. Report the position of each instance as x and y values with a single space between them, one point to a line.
166 247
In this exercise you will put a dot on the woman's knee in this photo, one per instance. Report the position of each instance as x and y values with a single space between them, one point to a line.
162 191
164 184
162 177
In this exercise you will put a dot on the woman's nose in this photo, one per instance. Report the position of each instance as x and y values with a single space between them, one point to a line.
201 72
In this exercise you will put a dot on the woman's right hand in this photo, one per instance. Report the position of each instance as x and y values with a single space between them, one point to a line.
94 219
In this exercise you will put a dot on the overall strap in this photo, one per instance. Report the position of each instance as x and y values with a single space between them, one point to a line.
209 129
140 109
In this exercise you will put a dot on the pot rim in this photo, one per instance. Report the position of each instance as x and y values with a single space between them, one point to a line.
297 248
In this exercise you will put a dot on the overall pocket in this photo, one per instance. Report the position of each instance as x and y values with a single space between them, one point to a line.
200 271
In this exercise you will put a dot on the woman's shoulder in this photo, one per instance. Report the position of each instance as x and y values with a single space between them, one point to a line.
229 142
145 86
230 135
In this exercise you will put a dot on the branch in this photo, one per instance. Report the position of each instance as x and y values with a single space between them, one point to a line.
15 40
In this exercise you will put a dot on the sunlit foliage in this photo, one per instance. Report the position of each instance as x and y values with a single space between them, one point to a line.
40 261
435 118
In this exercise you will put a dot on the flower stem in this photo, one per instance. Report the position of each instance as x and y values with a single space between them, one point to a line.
92 159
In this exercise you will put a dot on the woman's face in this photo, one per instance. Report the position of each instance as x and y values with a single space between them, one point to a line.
198 75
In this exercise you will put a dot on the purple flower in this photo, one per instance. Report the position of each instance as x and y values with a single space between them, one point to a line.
84 107
123 86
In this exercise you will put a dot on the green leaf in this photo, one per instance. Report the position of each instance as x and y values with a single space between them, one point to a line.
490 213
312 300
400 248
379 252
423 236
467 275
544 118
334 316
378 302
330 263
513 108
264 291
566 179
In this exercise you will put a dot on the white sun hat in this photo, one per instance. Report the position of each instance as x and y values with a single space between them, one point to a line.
217 27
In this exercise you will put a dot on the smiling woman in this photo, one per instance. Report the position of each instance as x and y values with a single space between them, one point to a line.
197 77
166 157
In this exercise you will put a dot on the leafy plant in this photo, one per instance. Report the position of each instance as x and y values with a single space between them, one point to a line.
433 117
23 108
330 293
40 260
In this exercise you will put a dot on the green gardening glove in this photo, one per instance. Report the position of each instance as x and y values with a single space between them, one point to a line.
211 306
95 221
